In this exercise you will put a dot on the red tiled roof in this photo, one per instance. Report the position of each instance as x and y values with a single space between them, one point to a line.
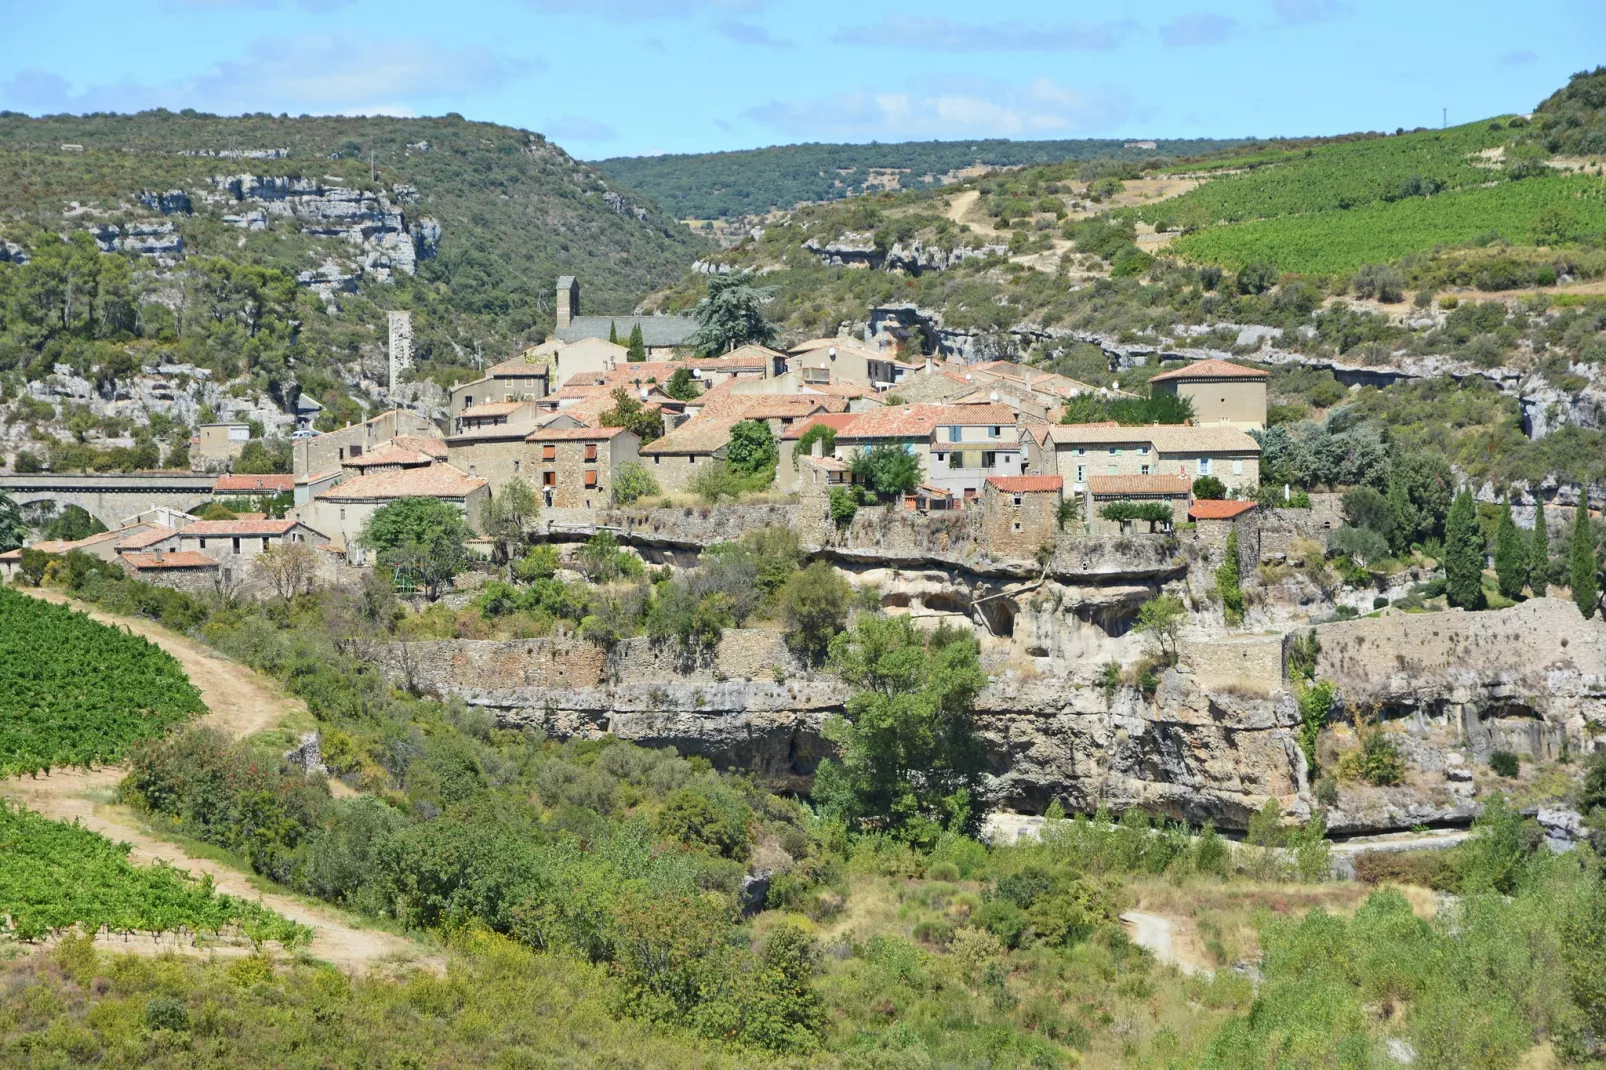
141 539
1218 510
209 528
176 559
834 420
393 455
573 434
491 408
269 484
436 481
1210 369
976 414
705 434
433 447
1170 486
516 368
772 406
1027 484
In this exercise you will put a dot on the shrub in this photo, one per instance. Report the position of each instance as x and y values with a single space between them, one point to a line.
1425 869
1382 281
632 482
1504 763
943 871
166 1012
1257 278
844 506
815 604
1209 488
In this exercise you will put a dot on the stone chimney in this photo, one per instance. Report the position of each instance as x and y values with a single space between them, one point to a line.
817 449
568 303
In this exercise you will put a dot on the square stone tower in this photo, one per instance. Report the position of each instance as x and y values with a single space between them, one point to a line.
568 306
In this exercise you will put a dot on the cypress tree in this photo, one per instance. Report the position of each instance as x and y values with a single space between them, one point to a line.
1539 553
1463 554
1510 556
1403 513
1586 586
1229 579
613 332
638 346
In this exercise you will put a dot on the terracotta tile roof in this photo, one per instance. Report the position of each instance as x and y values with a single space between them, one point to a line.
839 389
1101 434
574 434
269 484
574 391
929 491
978 414
491 408
834 420
1169 486
210 528
748 356
140 540
433 447
516 368
436 481
771 406
1026 484
1218 510
830 464
175 559
1210 369
1179 438
391 455
705 434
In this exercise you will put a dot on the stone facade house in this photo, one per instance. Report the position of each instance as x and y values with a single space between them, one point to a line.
1174 491
188 571
1213 520
344 508
218 444
1020 514
497 417
1227 453
676 458
1078 452
590 357
971 443
574 467
326 452
225 540
513 380
1222 393
787 469
827 360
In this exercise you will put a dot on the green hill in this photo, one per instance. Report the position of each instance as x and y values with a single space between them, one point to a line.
514 211
717 185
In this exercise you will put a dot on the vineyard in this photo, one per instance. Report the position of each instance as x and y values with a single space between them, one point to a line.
74 692
1345 175
55 875
1535 211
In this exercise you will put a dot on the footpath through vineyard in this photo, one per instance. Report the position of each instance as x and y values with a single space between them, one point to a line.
241 703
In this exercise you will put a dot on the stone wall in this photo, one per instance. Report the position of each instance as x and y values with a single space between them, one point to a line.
1278 528
1019 531
1251 664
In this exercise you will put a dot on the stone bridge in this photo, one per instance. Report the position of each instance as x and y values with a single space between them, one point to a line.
110 497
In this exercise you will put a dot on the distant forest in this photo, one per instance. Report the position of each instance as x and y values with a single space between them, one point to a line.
718 185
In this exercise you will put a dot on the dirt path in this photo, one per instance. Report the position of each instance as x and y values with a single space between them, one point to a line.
241 703
1158 934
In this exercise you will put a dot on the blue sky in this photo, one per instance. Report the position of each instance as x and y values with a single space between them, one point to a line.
615 77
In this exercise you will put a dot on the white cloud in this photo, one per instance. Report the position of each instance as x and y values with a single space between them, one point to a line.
1042 108
947 35
319 74
1189 31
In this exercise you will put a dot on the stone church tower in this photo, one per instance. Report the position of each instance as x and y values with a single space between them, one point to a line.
568 306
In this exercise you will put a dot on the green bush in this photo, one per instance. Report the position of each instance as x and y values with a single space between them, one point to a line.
1504 763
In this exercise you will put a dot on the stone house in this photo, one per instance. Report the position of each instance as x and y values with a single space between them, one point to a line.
575 467
218 444
1020 514
828 360
971 443
592 356
229 541
1222 393
150 540
787 469
1214 520
677 457
909 426
512 380
497 417
326 452
188 571
1173 490
344 508
1227 453
661 335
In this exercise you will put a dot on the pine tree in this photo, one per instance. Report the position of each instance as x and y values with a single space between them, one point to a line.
613 332
1463 554
1539 553
638 346
1586 584
1510 556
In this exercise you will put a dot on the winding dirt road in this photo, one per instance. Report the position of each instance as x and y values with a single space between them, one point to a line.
241 703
